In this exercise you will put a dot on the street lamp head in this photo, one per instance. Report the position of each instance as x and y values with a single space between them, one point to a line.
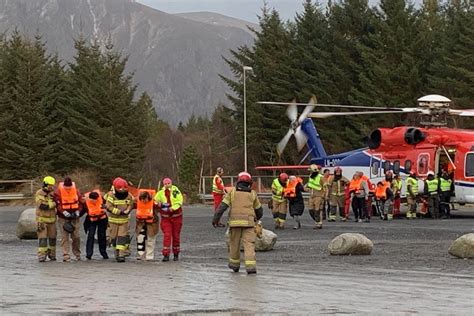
248 68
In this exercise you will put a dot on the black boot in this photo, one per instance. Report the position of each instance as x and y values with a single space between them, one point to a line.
166 259
234 268
120 259
175 257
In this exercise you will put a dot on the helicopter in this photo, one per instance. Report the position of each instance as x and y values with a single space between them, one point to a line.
431 147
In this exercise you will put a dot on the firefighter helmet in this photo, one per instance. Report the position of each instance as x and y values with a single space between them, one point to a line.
48 180
313 168
244 177
120 184
283 177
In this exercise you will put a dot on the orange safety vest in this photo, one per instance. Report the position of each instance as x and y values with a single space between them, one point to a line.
145 210
355 185
94 207
290 189
69 199
370 185
381 191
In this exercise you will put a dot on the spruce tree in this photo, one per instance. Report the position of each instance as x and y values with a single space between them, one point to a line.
189 169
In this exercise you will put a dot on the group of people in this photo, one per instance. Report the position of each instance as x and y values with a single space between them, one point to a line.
333 196
109 215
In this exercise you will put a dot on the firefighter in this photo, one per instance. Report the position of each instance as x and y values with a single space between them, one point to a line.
119 203
315 186
445 186
218 190
326 207
359 194
170 201
245 210
412 192
397 190
147 224
294 193
431 192
96 220
279 203
336 195
69 208
46 220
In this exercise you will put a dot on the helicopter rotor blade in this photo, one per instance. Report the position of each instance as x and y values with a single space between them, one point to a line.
301 138
329 105
308 109
329 114
469 112
284 141
292 112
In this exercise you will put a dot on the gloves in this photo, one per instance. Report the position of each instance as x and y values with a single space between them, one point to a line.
67 214
76 214
165 207
43 207
124 212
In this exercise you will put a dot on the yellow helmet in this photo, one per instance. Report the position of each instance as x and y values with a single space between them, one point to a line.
48 180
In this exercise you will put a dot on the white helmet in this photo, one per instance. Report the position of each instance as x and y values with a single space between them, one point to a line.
430 173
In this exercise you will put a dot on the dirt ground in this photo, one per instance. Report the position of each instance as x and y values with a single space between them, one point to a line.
409 272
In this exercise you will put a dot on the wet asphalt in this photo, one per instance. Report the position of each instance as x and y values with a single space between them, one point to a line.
409 272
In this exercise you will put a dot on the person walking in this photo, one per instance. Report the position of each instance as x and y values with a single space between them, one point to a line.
218 190
95 221
119 203
359 193
337 196
446 190
294 193
69 209
170 201
431 192
279 203
147 224
315 186
245 211
46 220
412 193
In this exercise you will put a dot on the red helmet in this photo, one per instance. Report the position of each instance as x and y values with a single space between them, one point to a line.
167 181
283 177
244 177
120 184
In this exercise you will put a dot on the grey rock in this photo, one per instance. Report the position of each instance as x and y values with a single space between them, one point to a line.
26 226
463 247
176 59
266 243
350 244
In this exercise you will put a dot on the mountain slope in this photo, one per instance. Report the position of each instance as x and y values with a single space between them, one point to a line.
218 20
177 60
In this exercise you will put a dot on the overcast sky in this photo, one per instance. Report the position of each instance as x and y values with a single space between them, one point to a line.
241 9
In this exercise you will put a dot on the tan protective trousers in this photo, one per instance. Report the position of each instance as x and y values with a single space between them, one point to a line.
316 202
246 236
279 211
75 236
336 201
120 237
47 241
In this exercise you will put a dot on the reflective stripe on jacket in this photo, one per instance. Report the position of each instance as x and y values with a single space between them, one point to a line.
217 185
315 183
242 207
277 191
413 184
116 206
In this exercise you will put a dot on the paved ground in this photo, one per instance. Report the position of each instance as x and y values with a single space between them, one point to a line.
409 272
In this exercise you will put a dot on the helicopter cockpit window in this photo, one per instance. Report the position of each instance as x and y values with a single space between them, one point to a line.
375 167
386 166
396 167
407 166
423 160
470 165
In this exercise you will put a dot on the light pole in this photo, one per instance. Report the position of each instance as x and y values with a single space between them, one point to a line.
246 68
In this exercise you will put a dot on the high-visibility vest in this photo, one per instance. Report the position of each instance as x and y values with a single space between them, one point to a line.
117 207
370 185
290 190
215 188
432 186
398 184
356 185
95 208
145 210
315 183
69 199
381 191
413 183
176 200
445 185
277 191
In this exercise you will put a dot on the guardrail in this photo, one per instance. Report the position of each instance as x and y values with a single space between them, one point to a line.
17 195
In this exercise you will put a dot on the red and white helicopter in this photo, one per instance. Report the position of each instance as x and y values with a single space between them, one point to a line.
433 147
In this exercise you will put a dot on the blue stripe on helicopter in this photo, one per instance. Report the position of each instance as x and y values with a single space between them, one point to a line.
464 184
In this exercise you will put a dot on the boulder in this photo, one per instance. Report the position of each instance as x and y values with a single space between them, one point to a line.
265 243
26 226
350 244
463 247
